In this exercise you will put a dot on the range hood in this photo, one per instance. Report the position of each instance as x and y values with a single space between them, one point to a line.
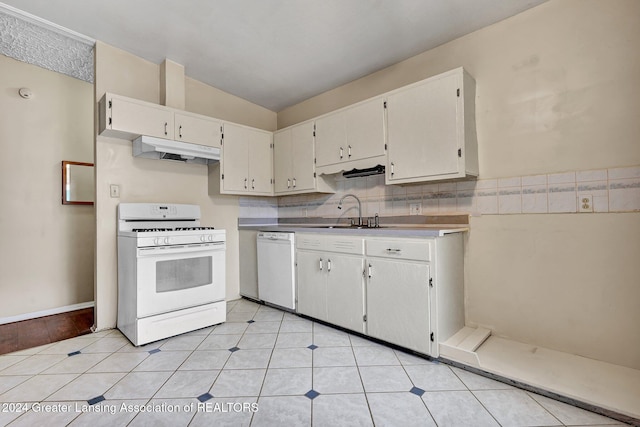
166 149
354 173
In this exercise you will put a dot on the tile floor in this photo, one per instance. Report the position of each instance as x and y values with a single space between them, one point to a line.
263 367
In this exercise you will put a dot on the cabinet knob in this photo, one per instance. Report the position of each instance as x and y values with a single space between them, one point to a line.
180 131
329 265
349 151
294 183
253 184
288 183
341 153
320 264
165 128
392 167
245 183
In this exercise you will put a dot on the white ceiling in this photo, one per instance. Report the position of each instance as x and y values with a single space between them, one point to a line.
275 53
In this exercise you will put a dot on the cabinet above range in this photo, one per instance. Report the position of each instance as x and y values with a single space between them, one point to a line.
128 118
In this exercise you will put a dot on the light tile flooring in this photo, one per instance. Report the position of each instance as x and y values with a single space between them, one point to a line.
263 367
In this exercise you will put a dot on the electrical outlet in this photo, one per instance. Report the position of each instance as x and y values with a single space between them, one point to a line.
585 203
415 209
114 190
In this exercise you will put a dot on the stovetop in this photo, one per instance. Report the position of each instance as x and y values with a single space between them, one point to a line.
150 230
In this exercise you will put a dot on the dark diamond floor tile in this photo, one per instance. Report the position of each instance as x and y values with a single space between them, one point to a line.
312 394
205 397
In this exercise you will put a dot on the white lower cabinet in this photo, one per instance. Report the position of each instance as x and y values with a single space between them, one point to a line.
345 296
329 279
312 284
398 303
406 291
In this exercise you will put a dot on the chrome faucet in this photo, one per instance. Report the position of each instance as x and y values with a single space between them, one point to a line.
359 207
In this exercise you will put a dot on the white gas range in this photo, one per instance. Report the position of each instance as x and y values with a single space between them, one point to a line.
171 271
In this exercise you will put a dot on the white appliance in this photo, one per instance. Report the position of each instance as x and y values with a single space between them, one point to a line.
171 271
276 268
168 149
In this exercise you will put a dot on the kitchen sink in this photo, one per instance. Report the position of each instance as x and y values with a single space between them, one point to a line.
341 226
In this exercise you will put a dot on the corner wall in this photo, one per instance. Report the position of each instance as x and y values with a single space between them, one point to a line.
46 247
558 95
147 180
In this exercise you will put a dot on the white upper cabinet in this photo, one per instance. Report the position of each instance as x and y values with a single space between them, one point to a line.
352 137
294 171
122 117
246 161
431 133
197 129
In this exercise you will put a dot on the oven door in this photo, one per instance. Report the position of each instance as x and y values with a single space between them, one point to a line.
174 277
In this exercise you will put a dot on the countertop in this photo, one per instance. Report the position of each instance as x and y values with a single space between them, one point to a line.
415 226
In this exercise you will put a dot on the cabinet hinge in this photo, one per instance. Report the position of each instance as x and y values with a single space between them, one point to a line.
109 120
222 176
385 147
314 129
431 282
432 337
271 181
314 174
271 146
459 152
364 318
314 160
458 92
384 104
109 103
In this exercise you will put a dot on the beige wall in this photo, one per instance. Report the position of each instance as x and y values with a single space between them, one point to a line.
46 248
146 180
558 89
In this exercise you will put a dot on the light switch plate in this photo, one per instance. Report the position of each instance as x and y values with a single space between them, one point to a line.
415 209
114 190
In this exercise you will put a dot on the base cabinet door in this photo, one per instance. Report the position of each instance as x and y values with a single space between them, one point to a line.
398 310
345 292
312 284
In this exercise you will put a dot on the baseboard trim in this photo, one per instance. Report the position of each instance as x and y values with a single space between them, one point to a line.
48 312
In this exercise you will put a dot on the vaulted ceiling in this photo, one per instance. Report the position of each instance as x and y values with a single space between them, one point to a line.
275 53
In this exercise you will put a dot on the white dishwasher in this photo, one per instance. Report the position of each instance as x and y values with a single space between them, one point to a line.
276 269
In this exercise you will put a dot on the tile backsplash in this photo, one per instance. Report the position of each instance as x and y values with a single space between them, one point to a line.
611 190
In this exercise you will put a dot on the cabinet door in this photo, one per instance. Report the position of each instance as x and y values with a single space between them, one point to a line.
140 118
365 130
345 291
197 130
302 155
235 159
422 128
282 162
260 162
331 139
398 310
312 284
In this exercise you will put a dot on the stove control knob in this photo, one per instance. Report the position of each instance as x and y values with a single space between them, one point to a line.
157 241
210 238
167 240
203 238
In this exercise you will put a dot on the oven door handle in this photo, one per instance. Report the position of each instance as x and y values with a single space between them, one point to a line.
181 249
